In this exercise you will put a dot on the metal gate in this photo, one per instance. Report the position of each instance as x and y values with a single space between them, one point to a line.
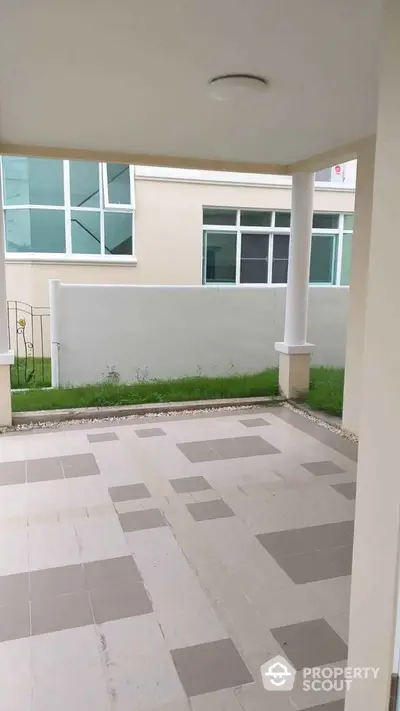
28 333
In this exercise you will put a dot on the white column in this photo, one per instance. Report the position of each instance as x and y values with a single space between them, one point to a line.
358 286
376 546
6 356
294 351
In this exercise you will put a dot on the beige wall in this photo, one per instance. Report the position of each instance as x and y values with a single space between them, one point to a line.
358 287
168 236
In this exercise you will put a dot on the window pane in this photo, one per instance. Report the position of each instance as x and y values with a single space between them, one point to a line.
282 219
348 222
254 271
325 174
255 218
281 247
84 182
35 231
118 227
279 271
220 257
33 181
215 216
346 260
85 232
119 192
254 246
325 220
323 256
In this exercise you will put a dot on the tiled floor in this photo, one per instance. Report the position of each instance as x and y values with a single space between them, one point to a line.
155 565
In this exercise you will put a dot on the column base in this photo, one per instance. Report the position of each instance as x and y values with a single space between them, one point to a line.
6 359
294 369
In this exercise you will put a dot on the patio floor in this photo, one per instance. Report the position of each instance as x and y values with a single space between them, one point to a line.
156 564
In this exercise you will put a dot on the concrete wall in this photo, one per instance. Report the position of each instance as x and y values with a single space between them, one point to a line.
168 235
172 332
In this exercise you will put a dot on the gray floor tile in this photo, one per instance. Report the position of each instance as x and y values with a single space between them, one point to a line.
209 667
254 422
14 621
321 434
114 602
348 490
150 432
128 492
205 510
12 473
46 469
14 588
57 581
112 570
307 539
140 520
331 706
310 644
323 468
61 612
226 448
102 437
75 465
185 485
317 565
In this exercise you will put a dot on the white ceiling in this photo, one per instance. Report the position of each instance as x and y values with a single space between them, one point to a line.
131 75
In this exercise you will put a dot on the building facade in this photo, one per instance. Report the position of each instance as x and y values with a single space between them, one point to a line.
84 222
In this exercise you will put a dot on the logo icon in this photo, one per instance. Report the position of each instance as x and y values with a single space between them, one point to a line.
278 675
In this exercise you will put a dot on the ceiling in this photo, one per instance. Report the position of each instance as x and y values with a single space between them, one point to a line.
130 76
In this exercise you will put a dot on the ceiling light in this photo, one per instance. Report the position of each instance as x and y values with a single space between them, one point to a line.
231 86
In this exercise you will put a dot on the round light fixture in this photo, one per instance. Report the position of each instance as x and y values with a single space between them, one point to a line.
231 86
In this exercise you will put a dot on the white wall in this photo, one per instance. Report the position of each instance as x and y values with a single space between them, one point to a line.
171 332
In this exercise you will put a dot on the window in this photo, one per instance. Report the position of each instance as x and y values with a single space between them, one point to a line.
255 218
215 216
68 207
280 259
35 231
325 174
252 247
325 221
220 257
254 258
346 259
323 259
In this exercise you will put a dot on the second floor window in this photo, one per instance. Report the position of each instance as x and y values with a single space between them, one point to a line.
68 207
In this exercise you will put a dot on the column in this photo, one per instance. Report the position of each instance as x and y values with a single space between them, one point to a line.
358 286
376 554
294 351
6 356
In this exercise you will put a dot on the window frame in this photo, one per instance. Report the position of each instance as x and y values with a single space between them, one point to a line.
337 232
116 206
67 208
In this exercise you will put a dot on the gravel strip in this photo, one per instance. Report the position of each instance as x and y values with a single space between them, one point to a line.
322 423
63 424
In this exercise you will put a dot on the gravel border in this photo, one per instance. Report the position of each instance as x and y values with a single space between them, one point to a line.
316 417
64 424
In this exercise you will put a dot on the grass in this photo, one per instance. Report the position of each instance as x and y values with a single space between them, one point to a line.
326 390
103 394
31 373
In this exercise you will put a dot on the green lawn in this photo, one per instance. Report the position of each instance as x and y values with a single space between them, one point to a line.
103 394
31 373
326 390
